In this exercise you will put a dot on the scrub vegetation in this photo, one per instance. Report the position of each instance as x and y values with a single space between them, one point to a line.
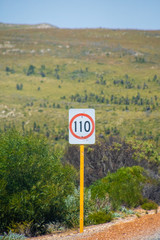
43 73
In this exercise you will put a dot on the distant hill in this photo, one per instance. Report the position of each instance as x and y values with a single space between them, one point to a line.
26 26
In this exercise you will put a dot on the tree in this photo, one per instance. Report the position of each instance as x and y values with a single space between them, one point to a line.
155 77
42 74
19 86
31 70
9 70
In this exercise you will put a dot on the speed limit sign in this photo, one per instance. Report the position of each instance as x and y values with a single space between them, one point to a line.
81 131
82 126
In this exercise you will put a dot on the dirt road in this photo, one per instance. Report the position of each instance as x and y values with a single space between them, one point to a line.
143 227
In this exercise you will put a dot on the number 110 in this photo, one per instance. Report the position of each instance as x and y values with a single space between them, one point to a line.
86 126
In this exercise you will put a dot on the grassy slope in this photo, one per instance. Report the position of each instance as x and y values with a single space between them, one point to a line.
84 57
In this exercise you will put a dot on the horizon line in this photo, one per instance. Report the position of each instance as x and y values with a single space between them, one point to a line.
76 28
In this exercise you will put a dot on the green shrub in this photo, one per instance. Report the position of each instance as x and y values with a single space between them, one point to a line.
55 227
72 207
126 211
149 205
34 183
98 189
125 186
116 215
12 236
99 217
31 70
23 228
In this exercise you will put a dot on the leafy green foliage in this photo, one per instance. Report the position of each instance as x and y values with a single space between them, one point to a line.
124 187
72 206
23 228
149 205
34 184
93 209
98 189
12 236
100 217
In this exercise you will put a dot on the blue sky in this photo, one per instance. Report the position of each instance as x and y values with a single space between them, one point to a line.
130 14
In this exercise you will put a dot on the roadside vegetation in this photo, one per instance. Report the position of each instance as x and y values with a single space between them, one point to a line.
40 192
44 73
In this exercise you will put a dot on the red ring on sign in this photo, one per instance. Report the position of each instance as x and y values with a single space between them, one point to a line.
78 115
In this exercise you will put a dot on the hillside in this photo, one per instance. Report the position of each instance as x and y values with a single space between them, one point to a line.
46 71
4 26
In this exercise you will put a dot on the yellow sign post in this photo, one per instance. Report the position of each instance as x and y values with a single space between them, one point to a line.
81 131
81 187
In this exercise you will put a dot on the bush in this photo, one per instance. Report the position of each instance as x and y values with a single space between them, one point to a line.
111 153
55 227
125 186
34 183
100 217
72 207
31 70
9 70
12 236
149 205
19 86
23 228
98 189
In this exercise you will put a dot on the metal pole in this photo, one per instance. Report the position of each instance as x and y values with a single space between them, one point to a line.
81 187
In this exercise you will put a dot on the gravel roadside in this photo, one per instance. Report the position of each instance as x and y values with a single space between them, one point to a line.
144 227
